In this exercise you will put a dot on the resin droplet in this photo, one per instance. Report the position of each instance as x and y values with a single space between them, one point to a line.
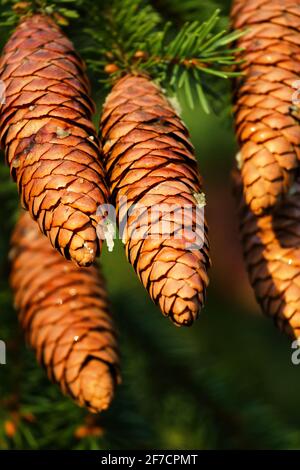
200 199
16 162
62 133
238 159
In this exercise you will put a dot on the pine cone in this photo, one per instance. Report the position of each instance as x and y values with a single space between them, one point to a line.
49 138
63 311
151 167
271 245
267 123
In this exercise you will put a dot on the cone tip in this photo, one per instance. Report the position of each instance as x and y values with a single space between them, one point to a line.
97 386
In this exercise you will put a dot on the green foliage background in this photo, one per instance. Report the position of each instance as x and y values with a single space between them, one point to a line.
227 382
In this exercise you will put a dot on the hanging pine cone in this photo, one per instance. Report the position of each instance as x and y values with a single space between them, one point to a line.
151 166
267 122
63 311
49 139
271 245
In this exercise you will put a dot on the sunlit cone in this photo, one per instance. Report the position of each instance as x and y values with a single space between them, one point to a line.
153 177
64 313
266 100
49 139
271 245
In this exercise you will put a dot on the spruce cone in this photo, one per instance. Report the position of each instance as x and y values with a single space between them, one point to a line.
63 311
271 245
151 166
267 123
49 139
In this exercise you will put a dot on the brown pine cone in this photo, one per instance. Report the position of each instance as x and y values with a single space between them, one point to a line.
49 138
267 122
151 166
271 245
64 313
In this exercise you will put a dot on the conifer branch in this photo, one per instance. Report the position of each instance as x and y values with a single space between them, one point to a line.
179 11
60 10
130 37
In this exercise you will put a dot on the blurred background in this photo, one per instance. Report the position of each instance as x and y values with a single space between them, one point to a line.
227 382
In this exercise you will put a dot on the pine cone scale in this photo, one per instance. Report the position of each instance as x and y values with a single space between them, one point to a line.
270 52
49 139
270 244
64 313
149 160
